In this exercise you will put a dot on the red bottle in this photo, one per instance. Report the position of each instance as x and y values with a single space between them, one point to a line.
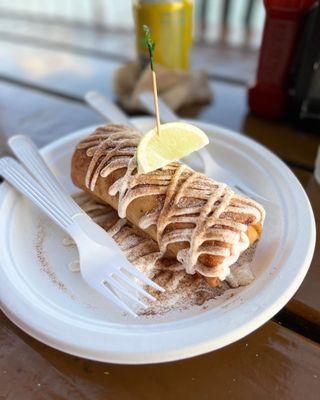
284 20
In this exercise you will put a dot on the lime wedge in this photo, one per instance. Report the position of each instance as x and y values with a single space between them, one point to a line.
176 140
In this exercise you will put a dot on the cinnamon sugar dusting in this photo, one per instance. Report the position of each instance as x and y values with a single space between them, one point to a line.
182 290
43 261
192 209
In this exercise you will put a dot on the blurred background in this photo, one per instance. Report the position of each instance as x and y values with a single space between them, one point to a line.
227 33
39 37
237 22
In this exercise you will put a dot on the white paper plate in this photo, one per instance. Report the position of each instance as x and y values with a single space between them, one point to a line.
55 306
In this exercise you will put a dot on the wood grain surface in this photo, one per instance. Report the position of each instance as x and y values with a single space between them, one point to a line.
272 363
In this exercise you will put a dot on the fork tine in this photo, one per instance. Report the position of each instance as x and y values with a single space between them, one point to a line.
135 286
133 271
118 286
108 293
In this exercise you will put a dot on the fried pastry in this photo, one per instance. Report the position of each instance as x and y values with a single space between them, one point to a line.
203 223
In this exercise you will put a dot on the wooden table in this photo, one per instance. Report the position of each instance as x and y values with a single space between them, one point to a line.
42 84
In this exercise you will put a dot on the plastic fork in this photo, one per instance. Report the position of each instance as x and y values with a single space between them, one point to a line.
102 264
211 167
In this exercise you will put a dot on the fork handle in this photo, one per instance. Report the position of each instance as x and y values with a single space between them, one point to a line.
29 155
110 111
19 178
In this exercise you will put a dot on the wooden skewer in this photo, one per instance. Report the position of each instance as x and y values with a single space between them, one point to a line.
149 44
155 96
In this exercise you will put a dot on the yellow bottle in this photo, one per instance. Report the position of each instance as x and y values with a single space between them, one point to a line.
171 29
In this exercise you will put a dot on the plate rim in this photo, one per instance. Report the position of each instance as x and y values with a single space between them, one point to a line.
187 350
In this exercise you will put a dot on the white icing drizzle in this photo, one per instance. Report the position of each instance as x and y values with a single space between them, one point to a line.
142 251
194 210
67 241
74 266
138 247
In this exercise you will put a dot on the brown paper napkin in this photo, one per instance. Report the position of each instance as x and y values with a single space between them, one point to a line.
176 88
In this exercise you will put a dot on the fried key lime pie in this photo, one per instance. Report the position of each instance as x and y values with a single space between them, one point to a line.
170 219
